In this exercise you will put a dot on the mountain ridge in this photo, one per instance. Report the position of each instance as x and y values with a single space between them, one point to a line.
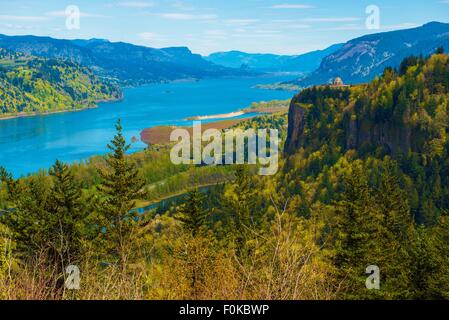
126 63
363 58
267 62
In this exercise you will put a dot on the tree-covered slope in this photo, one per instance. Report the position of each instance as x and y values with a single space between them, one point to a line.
364 185
403 114
310 231
32 84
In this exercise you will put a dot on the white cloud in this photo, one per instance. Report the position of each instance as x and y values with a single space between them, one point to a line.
361 27
182 6
23 18
187 16
216 34
206 16
406 25
346 27
136 4
292 6
332 19
240 22
150 36
82 14
177 16
267 32
16 26
298 26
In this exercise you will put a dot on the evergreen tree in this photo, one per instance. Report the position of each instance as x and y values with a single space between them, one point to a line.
48 218
238 204
439 50
120 187
397 234
430 268
192 214
356 233
31 218
5 250
69 213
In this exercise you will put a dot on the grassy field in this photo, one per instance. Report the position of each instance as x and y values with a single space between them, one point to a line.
161 135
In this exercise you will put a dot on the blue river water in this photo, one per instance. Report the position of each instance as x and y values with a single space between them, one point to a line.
32 143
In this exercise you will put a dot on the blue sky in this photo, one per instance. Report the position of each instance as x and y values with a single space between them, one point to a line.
205 26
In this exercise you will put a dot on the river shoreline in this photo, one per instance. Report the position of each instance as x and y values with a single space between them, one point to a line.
160 135
218 116
31 144
36 114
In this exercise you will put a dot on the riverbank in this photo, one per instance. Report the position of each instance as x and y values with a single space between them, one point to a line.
263 107
75 136
9 116
217 116
280 87
160 135
33 114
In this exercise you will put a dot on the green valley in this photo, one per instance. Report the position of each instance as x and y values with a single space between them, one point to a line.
363 182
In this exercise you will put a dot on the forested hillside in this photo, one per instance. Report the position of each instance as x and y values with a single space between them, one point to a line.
364 182
402 114
39 85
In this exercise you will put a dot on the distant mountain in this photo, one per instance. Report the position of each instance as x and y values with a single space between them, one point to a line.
272 63
41 85
361 59
126 63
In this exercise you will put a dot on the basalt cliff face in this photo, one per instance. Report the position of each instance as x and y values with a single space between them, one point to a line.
353 133
296 124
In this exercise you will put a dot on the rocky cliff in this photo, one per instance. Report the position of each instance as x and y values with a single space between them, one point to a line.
404 111
352 131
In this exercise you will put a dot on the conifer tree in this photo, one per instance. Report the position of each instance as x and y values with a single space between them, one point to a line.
120 187
198 249
397 234
5 250
238 203
48 218
32 220
430 267
68 212
356 233
192 214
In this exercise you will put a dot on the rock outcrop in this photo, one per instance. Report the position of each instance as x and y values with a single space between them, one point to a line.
353 132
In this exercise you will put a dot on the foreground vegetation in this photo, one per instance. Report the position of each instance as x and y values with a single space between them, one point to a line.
309 232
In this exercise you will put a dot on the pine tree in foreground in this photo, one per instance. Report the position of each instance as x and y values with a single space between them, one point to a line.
120 187
238 203
356 232
66 200
192 214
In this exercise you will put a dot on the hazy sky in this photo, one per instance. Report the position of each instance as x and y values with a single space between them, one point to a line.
286 27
